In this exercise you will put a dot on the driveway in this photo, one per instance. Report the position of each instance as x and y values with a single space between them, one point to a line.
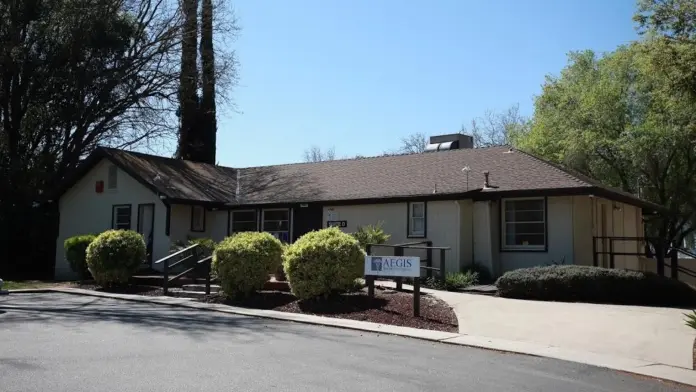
652 334
62 342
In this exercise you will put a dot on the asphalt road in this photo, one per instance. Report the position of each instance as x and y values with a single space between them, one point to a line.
60 342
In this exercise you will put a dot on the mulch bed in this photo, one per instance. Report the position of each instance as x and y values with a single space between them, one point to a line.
388 307
151 291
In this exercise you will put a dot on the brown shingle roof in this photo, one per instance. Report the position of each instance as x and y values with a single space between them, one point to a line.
396 176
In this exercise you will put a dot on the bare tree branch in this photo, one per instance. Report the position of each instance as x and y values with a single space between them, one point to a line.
315 154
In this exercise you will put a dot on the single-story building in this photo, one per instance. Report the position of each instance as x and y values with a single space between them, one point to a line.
497 206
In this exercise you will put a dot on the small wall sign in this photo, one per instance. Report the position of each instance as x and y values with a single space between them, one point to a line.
405 266
337 223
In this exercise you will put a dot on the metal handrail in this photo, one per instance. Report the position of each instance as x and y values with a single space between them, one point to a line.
176 253
204 261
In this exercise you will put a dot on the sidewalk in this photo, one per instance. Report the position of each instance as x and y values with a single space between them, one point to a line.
533 345
655 335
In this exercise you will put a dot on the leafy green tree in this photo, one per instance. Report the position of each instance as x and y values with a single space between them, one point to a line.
618 118
75 74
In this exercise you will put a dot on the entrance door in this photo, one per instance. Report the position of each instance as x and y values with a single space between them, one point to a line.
146 227
306 218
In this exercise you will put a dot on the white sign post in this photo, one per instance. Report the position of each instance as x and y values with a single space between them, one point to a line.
394 266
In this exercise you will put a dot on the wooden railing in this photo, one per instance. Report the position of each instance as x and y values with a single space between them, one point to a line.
606 246
192 259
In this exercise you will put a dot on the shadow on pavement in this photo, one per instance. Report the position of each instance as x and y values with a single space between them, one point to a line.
71 309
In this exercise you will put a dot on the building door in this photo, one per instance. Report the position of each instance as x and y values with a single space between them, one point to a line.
306 218
146 227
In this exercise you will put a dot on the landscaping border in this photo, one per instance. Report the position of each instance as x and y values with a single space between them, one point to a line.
634 366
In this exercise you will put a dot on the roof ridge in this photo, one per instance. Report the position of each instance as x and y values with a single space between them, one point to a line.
361 158
163 158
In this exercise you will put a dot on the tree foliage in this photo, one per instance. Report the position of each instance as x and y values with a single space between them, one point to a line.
75 74
618 118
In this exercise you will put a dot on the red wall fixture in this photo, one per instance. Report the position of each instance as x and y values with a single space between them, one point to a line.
99 186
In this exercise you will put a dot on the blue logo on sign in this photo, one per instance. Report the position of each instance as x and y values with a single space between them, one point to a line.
376 264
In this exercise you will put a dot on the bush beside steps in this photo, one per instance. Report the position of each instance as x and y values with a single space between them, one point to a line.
575 283
114 256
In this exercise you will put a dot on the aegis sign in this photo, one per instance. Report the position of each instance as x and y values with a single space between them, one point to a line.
392 266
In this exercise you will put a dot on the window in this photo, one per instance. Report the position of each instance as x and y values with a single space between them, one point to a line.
416 219
277 222
197 218
112 182
121 217
524 224
243 221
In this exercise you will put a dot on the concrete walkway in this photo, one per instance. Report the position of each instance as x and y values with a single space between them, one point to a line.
655 335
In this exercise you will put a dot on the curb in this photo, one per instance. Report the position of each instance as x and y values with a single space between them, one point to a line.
635 366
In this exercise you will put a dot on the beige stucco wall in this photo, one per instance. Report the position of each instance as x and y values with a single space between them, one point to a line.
482 235
215 224
622 220
572 221
443 226
582 230
83 211
559 240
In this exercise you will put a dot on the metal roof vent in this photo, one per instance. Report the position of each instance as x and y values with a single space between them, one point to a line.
449 142
431 147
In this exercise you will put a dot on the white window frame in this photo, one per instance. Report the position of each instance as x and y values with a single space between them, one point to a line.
503 226
196 228
263 220
112 174
232 220
411 220
114 219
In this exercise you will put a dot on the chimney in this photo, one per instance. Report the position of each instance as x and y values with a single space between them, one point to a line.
452 141
486 184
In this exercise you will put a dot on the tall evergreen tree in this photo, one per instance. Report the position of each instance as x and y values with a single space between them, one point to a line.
208 121
189 140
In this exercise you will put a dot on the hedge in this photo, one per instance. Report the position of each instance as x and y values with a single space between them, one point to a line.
574 283
323 262
244 261
76 253
115 255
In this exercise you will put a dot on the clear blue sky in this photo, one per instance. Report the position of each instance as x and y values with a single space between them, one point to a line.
361 74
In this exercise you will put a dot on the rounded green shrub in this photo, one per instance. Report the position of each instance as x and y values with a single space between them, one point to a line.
323 262
575 283
115 255
244 261
76 253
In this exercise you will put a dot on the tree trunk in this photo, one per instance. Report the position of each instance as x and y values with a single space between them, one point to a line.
207 109
188 89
